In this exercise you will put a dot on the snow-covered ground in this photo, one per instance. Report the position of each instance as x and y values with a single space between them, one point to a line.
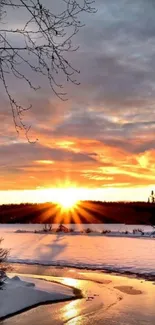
19 294
83 251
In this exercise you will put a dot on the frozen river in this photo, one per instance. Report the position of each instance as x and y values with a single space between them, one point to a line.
135 255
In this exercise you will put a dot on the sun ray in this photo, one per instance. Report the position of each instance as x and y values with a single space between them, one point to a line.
87 216
48 212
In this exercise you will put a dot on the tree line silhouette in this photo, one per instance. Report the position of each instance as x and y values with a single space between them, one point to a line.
84 212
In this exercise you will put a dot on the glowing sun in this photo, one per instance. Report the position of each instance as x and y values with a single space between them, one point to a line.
67 199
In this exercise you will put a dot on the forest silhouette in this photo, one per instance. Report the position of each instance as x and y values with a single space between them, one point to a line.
84 212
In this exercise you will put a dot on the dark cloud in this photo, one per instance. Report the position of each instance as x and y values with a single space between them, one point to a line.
116 57
98 126
130 146
16 154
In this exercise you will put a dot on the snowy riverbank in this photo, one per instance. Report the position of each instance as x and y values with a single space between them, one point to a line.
18 294
88 232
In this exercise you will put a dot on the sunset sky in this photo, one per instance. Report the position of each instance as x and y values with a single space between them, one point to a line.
101 142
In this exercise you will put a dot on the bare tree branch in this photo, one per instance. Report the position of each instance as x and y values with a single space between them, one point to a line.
45 38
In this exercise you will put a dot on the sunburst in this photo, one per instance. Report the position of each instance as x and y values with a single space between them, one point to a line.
66 207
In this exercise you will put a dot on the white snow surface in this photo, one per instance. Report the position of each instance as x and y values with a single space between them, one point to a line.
18 294
83 251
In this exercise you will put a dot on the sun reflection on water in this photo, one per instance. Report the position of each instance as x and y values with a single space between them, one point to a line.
72 313
71 310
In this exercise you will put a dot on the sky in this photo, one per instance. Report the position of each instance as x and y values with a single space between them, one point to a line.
101 141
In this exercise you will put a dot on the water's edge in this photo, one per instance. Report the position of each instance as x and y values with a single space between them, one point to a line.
111 270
